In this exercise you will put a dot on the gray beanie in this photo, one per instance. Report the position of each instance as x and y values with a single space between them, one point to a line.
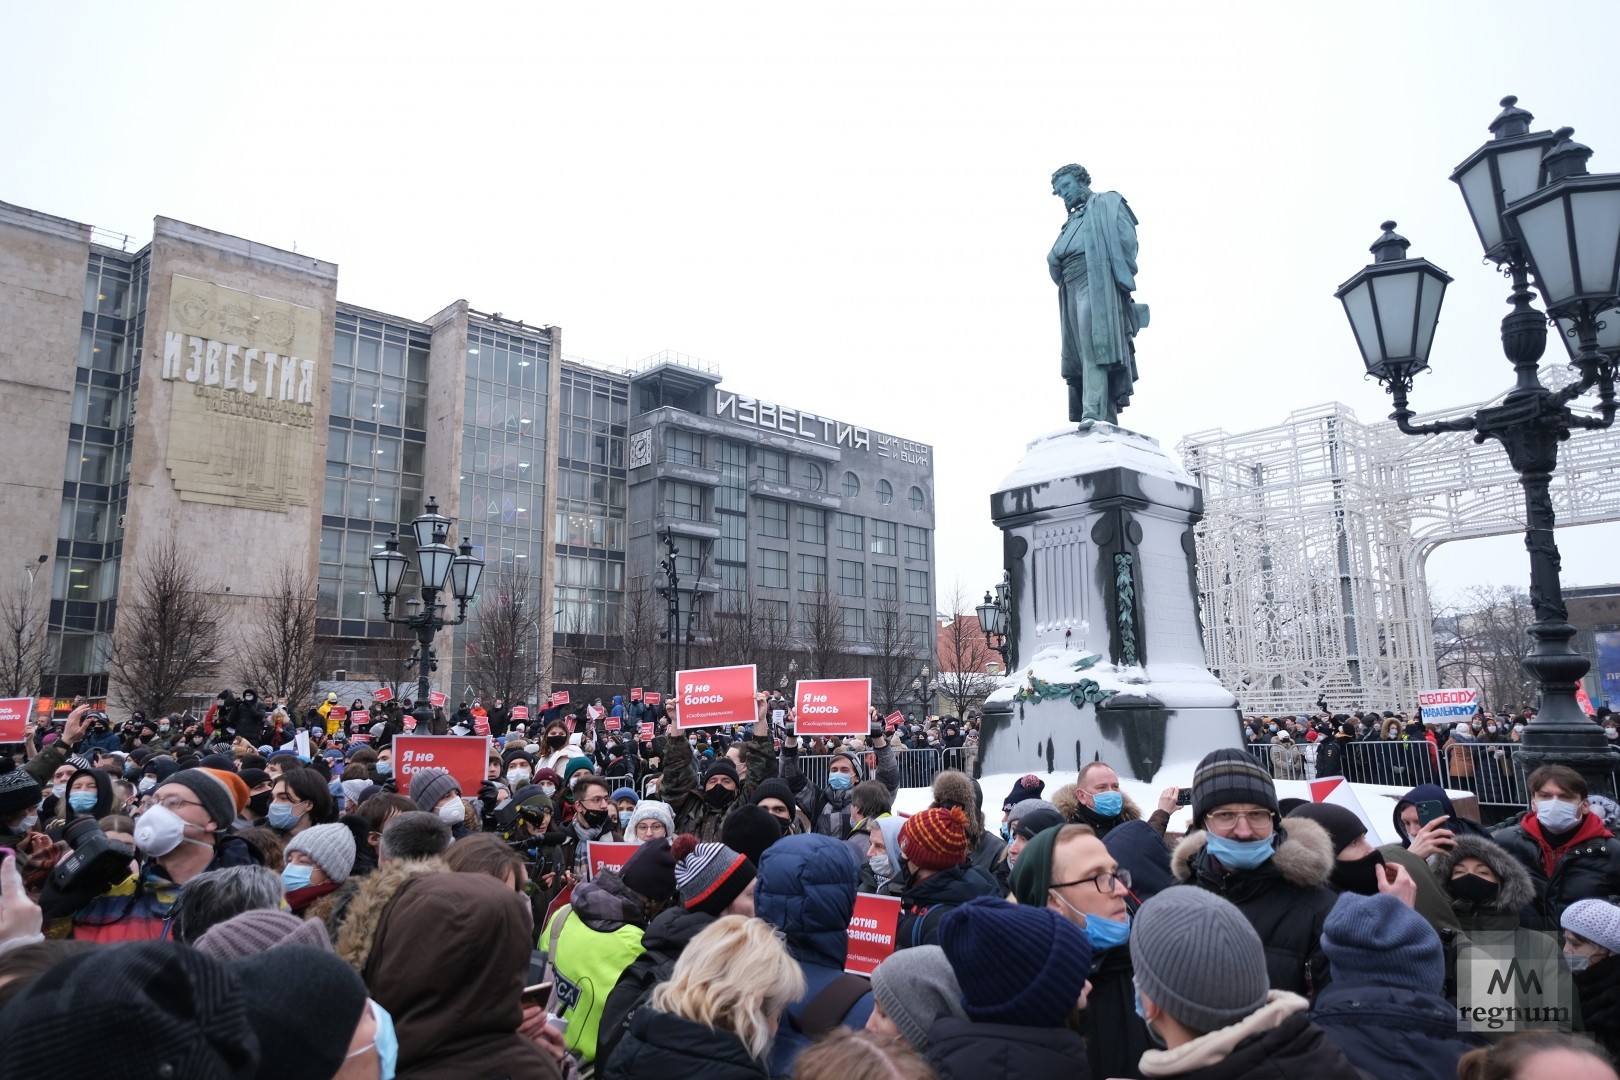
1197 957
916 986
1019 809
330 846
430 786
650 809
252 932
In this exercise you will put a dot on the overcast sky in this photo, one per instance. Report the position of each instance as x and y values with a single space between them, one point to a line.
846 207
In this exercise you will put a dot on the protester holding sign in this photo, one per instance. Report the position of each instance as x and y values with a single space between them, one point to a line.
830 807
702 802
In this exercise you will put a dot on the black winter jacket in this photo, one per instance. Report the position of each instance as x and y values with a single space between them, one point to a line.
1391 1031
965 1050
666 936
923 905
1116 1038
1587 868
1286 899
1598 988
659 1046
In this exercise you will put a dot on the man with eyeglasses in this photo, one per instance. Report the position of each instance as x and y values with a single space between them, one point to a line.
1278 878
181 834
1071 871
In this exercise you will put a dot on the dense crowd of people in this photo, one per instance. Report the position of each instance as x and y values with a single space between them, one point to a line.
223 905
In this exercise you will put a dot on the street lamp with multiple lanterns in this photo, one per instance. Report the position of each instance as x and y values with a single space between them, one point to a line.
438 563
1539 214
993 619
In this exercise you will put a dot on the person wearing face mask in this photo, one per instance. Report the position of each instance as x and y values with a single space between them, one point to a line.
776 797
1591 941
1024 788
1070 871
181 834
1569 852
436 791
883 872
554 747
703 800
1204 990
1277 876
1096 799
624 804
298 800
87 792
259 795
939 878
830 807
318 862
518 770
594 820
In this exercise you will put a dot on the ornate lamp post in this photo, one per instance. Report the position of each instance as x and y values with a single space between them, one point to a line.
993 621
437 563
670 590
1538 212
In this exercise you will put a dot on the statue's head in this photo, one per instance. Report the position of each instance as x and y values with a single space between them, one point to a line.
1071 183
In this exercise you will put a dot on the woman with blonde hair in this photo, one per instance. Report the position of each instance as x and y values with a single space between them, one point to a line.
862 1055
718 1013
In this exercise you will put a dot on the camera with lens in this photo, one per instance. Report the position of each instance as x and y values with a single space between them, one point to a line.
96 864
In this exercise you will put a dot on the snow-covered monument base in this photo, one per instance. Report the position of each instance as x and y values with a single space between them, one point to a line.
1107 651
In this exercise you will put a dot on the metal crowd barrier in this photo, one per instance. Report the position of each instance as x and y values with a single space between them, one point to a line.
917 767
1486 769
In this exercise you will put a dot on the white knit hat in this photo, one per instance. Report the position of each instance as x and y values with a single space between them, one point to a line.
1598 921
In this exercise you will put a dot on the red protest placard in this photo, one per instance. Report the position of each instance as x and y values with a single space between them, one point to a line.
647 731
520 712
611 723
564 898
871 932
635 693
360 718
480 724
467 759
338 713
14 713
360 738
559 698
710 697
410 722
893 720
653 697
436 699
382 693
833 706
609 856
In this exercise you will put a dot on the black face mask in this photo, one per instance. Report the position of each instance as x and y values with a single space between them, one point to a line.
595 818
259 805
1473 889
1358 875
556 742
719 796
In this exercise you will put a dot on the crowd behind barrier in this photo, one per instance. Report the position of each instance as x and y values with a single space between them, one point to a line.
1486 769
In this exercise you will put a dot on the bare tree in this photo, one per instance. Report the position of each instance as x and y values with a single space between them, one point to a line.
170 630
823 639
771 636
391 662
503 657
24 648
897 655
639 659
1488 634
277 652
964 657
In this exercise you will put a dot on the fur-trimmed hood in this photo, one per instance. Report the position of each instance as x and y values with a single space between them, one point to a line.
363 914
1304 855
1516 889
1068 804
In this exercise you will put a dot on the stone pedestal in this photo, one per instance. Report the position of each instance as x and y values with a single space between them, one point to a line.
1097 530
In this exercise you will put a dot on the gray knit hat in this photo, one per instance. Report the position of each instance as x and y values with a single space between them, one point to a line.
1229 776
1019 809
252 932
650 809
1598 921
1197 957
430 786
330 846
916 986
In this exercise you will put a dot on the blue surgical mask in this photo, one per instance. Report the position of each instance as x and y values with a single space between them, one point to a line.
838 781
82 801
1107 933
281 816
1108 803
1006 832
387 1042
1240 854
624 819
385 767
295 877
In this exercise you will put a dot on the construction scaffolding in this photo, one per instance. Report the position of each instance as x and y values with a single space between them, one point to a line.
1315 535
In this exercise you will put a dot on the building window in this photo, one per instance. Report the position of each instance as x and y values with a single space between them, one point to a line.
773 568
776 611
732 458
885 582
772 518
852 485
683 447
812 476
812 526
855 624
917 627
851 530
917 587
812 573
773 466
683 501
733 579
733 543
884 538
918 502
885 492
916 542
851 578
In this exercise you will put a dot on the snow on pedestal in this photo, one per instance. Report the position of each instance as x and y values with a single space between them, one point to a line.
1097 527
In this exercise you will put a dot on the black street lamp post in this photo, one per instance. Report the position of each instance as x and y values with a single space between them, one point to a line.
670 590
1538 213
993 616
437 562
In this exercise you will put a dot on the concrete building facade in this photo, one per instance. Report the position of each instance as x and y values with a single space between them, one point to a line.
214 394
